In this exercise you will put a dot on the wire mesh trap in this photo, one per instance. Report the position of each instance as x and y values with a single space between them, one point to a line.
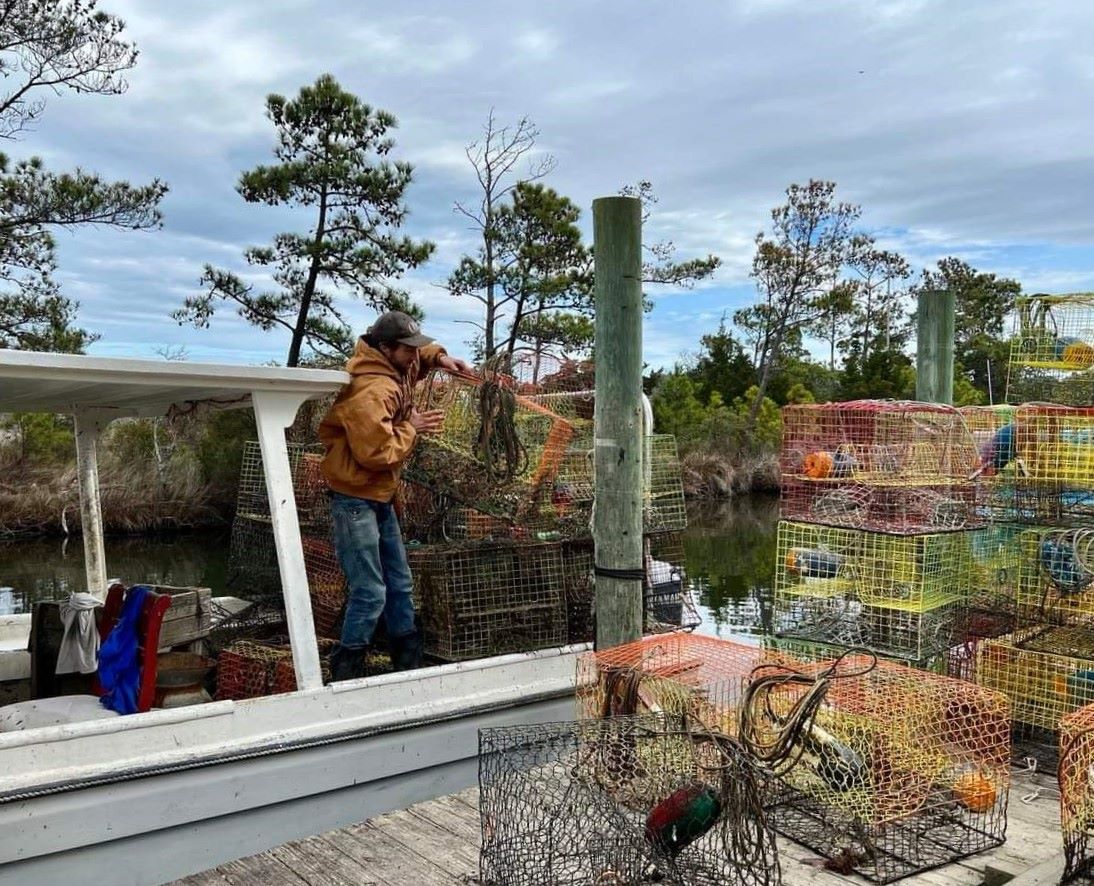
1054 332
1047 672
497 451
249 669
1076 772
668 599
896 595
626 800
1056 577
479 600
889 466
884 770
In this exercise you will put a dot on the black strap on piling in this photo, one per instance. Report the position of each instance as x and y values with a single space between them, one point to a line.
624 574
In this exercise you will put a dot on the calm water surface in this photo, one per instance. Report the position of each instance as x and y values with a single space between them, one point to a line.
729 551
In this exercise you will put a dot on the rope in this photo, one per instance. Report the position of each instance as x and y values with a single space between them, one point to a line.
780 748
498 445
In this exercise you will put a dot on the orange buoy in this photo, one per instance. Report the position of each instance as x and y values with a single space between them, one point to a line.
975 791
818 465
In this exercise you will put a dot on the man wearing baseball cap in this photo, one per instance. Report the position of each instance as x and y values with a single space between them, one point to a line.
368 434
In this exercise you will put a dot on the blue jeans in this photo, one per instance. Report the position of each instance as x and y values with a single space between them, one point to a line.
369 544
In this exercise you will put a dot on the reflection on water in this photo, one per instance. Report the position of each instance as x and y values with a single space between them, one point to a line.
50 569
730 552
729 548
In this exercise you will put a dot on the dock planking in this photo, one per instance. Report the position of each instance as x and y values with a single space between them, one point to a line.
436 843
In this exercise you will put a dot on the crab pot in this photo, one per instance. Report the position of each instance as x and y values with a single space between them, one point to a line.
1054 333
309 487
993 432
250 669
1047 672
326 586
681 674
472 460
1054 446
896 595
994 575
1077 794
901 771
886 466
591 802
253 572
1056 577
479 600
667 598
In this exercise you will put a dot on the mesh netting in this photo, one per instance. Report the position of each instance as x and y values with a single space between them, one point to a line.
898 771
1052 351
1056 577
1046 672
897 595
482 600
1077 794
623 800
249 669
497 451
668 599
888 466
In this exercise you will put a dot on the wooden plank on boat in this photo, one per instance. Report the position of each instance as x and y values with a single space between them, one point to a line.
320 863
208 878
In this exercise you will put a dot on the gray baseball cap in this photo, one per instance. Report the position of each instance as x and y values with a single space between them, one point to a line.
397 327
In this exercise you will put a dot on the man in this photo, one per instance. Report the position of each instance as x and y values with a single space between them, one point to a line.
368 434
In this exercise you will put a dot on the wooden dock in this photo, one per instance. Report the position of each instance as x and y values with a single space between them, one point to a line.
437 844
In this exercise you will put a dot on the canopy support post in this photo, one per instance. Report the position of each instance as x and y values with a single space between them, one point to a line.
89 427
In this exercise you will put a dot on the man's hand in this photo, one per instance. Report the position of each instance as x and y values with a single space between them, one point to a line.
427 422
451 364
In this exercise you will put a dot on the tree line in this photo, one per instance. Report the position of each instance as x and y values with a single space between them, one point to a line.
831 318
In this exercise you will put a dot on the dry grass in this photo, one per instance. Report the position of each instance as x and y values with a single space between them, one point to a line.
135 498
718 475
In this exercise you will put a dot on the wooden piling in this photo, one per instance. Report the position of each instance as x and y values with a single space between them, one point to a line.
934 347
617 521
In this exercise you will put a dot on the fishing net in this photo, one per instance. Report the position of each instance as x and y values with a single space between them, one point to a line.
889 466
1076 773
896 595
882 769
480 600
497 451
1052 350
618 801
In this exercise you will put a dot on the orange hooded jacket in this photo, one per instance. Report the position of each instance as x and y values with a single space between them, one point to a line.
367 432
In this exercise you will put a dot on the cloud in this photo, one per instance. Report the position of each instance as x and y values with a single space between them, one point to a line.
960 129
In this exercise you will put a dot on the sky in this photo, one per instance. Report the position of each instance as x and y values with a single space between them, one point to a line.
960 128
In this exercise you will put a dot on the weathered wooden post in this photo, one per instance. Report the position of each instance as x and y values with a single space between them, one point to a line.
934 347
617 420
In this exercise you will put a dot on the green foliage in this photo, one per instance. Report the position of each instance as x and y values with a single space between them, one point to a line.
131 441
220 446
983 302
723 367
332 155
761 421
794 267
47 46
677 408
39 438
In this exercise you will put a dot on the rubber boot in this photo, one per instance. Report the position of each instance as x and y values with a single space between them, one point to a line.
348 663
406 651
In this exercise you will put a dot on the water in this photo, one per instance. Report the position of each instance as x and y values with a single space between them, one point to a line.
729 551
50 569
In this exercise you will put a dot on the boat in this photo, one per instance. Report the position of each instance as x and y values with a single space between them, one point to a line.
147 798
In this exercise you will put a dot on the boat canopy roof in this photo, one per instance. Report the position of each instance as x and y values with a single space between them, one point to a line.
71 383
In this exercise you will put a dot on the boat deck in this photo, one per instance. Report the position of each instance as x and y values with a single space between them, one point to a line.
436 843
